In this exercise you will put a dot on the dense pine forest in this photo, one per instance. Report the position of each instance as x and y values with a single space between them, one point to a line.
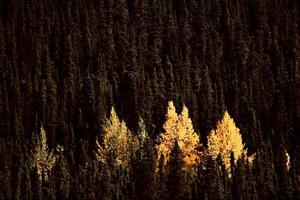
150 99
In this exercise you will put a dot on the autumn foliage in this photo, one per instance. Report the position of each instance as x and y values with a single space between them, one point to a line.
180 129
64 64
118 142
226 138
43 158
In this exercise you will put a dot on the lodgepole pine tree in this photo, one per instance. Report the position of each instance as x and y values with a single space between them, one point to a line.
177 184
143 135
144 166
62 176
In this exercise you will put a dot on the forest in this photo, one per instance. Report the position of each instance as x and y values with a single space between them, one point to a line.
150 99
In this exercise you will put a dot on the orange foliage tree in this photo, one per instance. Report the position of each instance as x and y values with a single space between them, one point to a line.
180 129
226 138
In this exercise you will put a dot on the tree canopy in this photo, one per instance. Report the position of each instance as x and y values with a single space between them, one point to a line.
178 129
226 139
118 142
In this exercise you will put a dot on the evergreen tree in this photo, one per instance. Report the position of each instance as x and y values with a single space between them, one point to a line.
177 183
142 132
144 167
88 105
62 176
214 189
266 181
36 186
240 183
26 192
161 183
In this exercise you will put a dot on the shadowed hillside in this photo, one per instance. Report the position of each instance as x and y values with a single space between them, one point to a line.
230 67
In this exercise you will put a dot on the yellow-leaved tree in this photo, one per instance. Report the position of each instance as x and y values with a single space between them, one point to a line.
43 158
180 129
167 139
118 142
226 138
188 139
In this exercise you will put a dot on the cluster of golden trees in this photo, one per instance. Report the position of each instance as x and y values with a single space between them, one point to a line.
118 143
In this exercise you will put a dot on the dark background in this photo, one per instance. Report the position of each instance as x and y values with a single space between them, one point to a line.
63 64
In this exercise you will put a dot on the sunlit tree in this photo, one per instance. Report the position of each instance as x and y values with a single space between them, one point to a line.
118 142
180 129
287 160
43 158
167 138
226 138
188 140
142 132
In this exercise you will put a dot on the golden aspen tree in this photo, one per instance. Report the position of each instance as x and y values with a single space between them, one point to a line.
178 129
166 140
118 142
188 139
43 158
226 138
